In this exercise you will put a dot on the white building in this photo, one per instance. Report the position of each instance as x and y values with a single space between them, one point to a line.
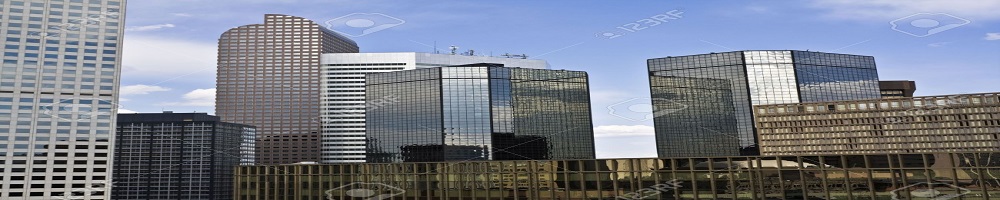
58 91
343 96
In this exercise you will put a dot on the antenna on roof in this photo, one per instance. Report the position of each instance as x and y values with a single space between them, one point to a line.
522 56
435 47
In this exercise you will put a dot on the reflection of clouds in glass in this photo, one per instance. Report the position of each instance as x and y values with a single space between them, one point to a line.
772 84
707 120
757 78
511 113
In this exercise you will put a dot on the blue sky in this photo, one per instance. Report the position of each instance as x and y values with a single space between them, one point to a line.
169 57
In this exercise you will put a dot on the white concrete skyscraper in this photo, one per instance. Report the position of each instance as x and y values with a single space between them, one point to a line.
343 92
58 91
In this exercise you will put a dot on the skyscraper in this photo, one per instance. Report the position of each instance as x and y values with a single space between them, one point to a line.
343 104
269 77
178 156
479 112
702 103
58 91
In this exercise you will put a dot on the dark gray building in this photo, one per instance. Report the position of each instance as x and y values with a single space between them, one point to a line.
178 156
897 89
269 77
478 112
702 103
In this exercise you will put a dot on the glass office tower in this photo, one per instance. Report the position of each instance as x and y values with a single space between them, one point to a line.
269 77
343 102
58 90
479 112
178 156
702 103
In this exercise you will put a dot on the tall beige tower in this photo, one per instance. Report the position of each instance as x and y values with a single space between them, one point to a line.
58 90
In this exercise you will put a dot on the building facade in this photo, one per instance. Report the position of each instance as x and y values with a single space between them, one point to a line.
967 176
269 77
343 96
58 91
897 89
188 156
478 112
955 123
702 103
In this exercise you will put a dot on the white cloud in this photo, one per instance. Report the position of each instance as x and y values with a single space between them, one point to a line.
938 44
122 110
894 9
141 89
992 36
623 130
758 9
149 27
624 141
182 14
157 60
197 97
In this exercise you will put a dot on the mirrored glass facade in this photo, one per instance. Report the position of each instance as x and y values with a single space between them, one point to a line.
954 123
478 112
178 156
343 96
965 176
702 103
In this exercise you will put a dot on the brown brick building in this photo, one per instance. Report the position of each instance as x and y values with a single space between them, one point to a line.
269 77
897 89
954 123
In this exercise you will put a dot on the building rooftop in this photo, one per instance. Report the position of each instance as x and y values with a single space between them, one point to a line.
166 116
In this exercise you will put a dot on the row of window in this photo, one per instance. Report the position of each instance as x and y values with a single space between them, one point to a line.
53 3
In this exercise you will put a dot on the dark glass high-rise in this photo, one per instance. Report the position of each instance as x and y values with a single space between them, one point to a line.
478 112
702 103
178 156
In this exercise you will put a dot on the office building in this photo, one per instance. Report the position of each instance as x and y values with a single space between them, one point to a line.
954 123
879 176
58 91
343 96
187 156
269 77
478 112
897 89
702 103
